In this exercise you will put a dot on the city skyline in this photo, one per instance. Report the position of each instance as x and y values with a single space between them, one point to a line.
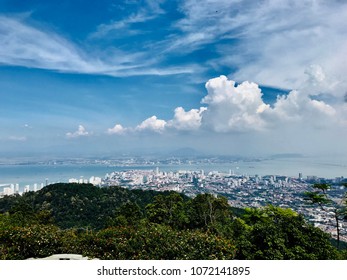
222 77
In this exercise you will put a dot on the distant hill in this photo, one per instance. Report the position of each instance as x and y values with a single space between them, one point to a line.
286 155
185 152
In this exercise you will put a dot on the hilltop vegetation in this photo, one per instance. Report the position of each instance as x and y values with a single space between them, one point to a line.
116 223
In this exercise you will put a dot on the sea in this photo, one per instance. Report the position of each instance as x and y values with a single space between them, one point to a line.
30 174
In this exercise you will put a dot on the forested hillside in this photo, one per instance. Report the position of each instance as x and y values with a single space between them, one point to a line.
116 223
78 205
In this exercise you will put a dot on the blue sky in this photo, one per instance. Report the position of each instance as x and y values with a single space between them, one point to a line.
221 76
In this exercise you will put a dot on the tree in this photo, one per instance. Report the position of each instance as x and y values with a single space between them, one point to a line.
271 233
128 214
206 211
167 210
321 198
155 242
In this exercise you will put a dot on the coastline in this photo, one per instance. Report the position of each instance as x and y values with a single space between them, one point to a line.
43 173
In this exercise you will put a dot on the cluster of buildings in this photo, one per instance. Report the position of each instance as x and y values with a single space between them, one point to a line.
241 190
11 189
96 181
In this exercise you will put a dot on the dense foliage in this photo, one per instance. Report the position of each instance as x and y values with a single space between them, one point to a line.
116 223
77 205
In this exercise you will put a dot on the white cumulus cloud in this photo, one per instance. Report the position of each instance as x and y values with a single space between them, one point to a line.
81 131
190 120
298 107
232 107
240 108
235 108
152 124
117 129
319 82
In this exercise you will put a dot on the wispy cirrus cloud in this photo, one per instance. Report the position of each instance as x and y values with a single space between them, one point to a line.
24 45
17 138
116 28
270 42
146 11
